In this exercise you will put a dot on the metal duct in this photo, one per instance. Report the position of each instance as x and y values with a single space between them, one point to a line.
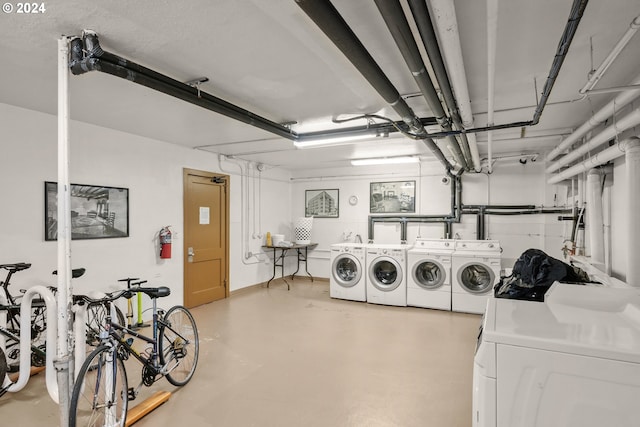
327 18
396 21
422 18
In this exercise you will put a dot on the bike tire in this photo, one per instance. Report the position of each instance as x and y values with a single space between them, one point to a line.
179 345
96 315
92 396
4 367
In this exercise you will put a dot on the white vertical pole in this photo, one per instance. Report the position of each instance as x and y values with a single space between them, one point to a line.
62 362
632 164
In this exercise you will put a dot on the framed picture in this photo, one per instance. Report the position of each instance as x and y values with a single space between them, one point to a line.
96 212
321 203
393 197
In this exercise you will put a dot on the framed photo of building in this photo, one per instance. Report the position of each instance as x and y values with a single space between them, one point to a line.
96 212
393 197
321 203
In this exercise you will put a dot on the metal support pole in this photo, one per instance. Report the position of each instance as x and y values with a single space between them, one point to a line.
65 329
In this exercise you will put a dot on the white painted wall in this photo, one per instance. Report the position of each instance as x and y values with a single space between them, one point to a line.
511 183
151 170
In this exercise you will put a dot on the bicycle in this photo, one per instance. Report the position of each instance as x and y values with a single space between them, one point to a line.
11 329
101 394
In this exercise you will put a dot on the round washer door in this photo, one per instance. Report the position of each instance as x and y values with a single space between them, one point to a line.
346 270
385 273
429 274
476 278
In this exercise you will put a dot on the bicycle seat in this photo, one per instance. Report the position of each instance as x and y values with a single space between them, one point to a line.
160 292
75 273
16 267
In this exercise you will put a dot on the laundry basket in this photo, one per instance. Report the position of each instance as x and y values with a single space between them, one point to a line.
302 230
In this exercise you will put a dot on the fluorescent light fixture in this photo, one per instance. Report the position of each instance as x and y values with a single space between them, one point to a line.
336 140
385 161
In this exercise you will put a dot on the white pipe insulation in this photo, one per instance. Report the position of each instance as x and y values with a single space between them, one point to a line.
632 163
630 120
624 40
597 159
446 24
595 220
598 118
492 37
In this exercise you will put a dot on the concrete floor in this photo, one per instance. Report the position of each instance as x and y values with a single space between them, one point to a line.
272 357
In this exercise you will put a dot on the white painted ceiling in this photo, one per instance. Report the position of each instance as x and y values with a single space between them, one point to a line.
268 57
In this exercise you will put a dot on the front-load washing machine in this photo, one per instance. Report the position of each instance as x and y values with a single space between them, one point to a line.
386 277
348 278
475 269
429 273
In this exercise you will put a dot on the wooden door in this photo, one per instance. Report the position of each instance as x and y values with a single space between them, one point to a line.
206 232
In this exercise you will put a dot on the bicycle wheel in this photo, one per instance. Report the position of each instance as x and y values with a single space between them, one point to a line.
4 367
96 315
100 392
179 345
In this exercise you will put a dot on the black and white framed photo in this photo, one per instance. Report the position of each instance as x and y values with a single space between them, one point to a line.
96 212
393 197
321 203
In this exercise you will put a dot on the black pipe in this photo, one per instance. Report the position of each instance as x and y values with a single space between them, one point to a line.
329 20
480 234
447 230
423 21
398 26
499 207
577 10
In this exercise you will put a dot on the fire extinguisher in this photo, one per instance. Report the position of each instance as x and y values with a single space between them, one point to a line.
165 243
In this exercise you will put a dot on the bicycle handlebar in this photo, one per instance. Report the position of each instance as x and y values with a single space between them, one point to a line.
158 292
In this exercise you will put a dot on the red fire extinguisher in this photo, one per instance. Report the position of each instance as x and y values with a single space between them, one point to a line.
165 243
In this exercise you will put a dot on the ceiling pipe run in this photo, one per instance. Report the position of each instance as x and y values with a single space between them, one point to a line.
595 160
327 18
422 18
596 75
87 55
598 118
630 120
444 15
492 40
398 26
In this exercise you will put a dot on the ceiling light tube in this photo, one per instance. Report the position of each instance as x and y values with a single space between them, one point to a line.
385 161
334 140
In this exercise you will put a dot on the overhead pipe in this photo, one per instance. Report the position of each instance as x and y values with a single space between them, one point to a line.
492 40
422 18
624 40
87 55
398 26
598 118
595 220
630 120
444 15
329 20
595 160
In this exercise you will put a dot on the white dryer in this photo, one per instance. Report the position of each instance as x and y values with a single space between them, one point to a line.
475 270
348 278
386 277
429 269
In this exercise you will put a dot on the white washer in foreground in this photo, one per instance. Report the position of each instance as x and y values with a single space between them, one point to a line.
429 274
386 276
348 277
573 360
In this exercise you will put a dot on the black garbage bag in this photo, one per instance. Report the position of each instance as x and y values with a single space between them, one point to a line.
533 274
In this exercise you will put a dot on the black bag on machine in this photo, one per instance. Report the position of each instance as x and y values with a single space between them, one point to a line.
533 274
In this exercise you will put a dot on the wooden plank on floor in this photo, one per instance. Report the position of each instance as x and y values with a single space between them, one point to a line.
34 370
136 413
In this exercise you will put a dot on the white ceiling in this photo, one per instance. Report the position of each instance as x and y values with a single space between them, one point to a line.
270 58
